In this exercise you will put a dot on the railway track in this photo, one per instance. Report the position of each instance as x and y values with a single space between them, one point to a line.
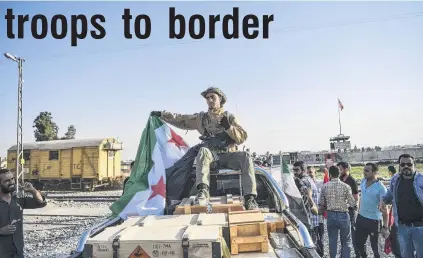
83 198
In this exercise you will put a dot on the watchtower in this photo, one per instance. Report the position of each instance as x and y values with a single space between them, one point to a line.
340 145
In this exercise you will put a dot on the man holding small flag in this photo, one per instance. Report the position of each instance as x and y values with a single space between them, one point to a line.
296 203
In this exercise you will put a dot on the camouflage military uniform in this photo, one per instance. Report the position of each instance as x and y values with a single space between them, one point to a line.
208 123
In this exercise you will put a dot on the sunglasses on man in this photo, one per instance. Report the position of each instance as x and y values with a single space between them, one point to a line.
406 164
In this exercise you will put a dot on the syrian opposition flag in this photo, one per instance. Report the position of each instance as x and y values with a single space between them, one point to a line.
296 203
145 192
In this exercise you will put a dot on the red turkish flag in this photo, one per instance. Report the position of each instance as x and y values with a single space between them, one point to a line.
340 105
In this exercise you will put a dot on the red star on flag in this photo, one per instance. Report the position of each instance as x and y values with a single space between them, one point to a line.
158 189
177 140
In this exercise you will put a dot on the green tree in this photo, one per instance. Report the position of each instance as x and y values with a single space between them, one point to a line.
70 134
45 128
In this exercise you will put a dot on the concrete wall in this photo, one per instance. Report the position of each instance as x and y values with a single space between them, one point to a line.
384 155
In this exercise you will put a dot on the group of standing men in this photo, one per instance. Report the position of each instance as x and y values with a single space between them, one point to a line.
357 212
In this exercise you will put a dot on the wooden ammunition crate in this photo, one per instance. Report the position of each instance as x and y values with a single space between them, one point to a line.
222 204
248 232
275 222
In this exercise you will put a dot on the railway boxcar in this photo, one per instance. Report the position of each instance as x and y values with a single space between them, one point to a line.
77 164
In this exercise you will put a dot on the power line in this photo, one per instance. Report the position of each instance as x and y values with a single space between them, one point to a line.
351 22
275 31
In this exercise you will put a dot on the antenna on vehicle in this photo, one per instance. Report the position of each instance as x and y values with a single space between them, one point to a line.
237 110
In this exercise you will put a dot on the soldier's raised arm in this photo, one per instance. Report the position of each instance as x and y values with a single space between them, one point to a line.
181 121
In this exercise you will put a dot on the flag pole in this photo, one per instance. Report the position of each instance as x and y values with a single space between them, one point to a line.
339 118
281 171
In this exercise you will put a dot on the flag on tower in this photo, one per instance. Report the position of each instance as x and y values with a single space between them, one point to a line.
341 107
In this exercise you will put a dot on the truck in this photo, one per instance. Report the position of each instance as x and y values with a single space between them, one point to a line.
222 229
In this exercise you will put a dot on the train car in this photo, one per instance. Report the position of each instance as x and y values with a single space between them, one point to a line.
77 164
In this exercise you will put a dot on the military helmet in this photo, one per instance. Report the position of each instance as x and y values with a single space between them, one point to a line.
217 91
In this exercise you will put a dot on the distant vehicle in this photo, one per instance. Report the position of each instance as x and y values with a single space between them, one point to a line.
289 240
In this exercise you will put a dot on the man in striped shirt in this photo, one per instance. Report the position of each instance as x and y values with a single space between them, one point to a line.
336 198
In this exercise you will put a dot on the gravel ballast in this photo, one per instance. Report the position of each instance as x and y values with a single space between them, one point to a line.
57 236
56 242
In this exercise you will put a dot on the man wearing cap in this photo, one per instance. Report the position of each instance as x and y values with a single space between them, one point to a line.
216 121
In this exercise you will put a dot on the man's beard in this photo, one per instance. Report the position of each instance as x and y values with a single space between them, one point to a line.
9 189
407 172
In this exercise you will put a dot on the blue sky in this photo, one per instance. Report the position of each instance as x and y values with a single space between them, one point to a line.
284 89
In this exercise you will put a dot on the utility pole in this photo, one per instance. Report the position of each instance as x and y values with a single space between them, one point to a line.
19 147
339 120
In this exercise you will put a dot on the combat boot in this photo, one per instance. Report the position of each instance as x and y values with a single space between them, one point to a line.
250 202
203 195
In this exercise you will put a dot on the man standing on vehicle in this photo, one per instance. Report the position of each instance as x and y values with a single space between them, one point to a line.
211 123
405 193
369 216
11 214
345 177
